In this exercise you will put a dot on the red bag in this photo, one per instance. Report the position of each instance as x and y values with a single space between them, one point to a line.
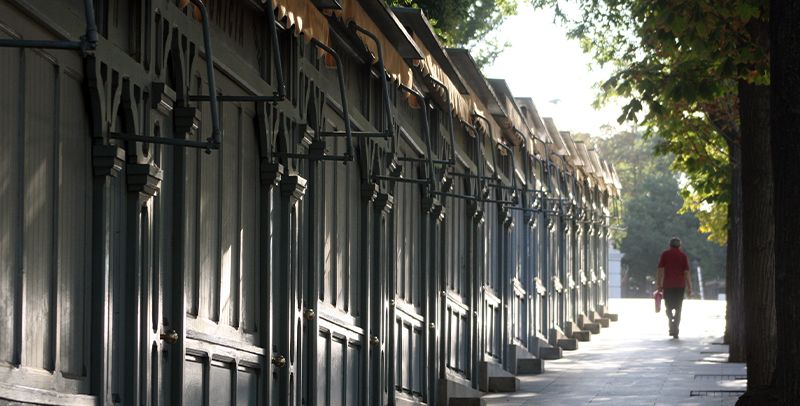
657 295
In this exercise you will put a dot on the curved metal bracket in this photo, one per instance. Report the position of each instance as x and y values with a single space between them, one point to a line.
388 130
215 140
216 132
280 86
452 159
428 153
476 116
348 132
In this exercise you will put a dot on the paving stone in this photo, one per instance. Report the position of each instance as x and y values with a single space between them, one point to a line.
634 362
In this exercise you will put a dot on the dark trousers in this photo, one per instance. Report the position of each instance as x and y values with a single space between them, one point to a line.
673 300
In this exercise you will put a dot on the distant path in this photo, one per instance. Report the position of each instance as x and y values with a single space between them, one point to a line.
635 362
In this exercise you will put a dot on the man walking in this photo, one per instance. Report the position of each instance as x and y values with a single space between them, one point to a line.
672 279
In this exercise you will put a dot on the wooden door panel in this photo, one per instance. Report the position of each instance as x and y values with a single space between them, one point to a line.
339 363
221 263
229 378
457 337
45 193
492 325
408 318
408 355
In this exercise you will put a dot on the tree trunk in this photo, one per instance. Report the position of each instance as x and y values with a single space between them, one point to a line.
758 240
734 319
785 75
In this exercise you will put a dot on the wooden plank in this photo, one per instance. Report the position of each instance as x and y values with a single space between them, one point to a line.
341 232
328 178
74 230
249 221
221 383
353 271
229 213
27 395
209 226
40 112
191 203
10 127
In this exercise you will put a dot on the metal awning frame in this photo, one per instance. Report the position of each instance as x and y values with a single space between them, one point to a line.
428 153
348 133
86 44
280 88
388 130
483 180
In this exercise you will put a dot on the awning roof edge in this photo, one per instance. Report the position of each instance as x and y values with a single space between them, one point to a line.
304 18
555 135
401 39
513 116
574 159
394 62
421 26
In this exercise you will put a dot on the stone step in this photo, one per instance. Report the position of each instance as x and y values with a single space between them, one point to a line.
594 315
464 402
530 366
604 322
568 344
489 372
450 389
550 353
593 328
582 335
611 316
503 384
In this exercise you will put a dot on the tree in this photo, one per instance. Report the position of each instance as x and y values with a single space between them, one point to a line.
652 213
466 23
685 66
785 127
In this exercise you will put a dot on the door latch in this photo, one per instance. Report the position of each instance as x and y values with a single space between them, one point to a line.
170 336
279 361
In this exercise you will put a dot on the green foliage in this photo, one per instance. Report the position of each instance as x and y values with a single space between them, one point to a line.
651 219
466 23
677 63
652 212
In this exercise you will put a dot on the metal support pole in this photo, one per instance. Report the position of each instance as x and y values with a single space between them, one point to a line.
179 142
700 279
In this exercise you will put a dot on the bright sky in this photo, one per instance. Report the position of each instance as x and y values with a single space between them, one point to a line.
543 64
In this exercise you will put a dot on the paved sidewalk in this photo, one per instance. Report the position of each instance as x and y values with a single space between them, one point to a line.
635 362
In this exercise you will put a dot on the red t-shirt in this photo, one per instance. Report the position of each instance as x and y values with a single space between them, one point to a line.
674 263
